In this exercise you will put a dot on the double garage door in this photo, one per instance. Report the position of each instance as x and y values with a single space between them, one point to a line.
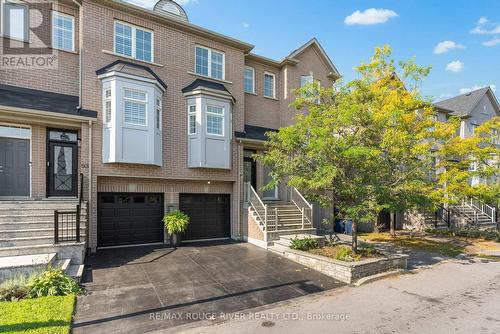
136 218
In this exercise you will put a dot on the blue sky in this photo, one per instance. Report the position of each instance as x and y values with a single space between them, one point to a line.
459 38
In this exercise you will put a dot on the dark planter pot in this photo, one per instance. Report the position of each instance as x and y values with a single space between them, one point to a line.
175 240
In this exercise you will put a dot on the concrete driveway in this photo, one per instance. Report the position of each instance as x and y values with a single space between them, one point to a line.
140 289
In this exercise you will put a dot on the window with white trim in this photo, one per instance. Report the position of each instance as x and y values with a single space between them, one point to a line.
107 106
158 114
249 80
192 119
135 107
209 62
306 80
15 20
63 28
269 85
133 41
215 120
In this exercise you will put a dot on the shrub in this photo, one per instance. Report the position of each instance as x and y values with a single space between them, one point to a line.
14 289
176 222
52 282
343 253
303 244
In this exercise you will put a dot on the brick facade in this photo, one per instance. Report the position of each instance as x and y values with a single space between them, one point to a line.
173 62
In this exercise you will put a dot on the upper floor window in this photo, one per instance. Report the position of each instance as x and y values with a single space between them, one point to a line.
209 63
15 20
192 119
135 106
63 28
215 120
249 80
133 41
269 85
107 106
306 80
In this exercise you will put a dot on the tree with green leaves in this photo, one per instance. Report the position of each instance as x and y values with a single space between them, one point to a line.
362 146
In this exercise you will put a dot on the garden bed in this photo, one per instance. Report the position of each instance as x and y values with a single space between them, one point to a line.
348 270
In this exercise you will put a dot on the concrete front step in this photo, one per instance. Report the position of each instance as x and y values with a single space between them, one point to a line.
32 232
48 204
72 270
31 217
275 235
30 241
68 250
11 266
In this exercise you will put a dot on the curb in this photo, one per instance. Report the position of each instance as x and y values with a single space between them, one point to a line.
376 277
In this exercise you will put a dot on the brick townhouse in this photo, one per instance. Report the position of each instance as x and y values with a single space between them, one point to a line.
145 112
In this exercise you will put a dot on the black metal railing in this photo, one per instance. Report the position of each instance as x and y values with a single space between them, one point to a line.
443 215
80 196
67 225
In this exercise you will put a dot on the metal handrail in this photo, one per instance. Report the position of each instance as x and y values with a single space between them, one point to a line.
305 205
257 202
80 197
483 207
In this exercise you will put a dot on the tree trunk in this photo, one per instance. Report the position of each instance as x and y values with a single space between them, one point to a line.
376 228
354 237
393 223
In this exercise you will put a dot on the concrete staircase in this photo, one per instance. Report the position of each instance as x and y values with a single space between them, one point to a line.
473 216
27 237
288 222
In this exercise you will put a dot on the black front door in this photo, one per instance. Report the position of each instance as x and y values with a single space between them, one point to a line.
249 168
62 164
14 167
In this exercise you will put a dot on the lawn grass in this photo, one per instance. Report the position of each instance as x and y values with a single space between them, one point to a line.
44 315
444 246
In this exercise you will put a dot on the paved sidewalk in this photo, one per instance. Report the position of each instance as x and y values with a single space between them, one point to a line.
460 296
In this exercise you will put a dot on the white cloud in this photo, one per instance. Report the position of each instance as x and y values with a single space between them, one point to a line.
245 24
445 46
370 16
455 66
444 96
485 27
492 42
476 87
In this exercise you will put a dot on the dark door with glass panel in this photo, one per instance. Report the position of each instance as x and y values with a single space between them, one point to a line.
249 168
62 164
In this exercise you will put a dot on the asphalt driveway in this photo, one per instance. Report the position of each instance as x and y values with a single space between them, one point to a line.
140 289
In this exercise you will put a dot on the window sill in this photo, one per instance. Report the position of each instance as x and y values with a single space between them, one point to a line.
131 58
250 93
270 98
63 50
209 78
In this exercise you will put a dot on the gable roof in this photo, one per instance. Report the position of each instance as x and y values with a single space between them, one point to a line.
128 67
291 58
463 105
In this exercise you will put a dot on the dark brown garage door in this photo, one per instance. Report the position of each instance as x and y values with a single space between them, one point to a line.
129 218
209 215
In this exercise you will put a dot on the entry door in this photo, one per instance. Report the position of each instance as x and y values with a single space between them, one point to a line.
249 168
62 168
14 167
271 194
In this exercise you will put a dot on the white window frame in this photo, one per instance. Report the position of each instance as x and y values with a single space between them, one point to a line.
306 75
210 62
134 41
72 18
274 85
221 116
145 102
105 99
253 79
158 115
26 23
192 113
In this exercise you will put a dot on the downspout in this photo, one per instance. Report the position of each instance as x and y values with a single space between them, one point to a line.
238 180
80 54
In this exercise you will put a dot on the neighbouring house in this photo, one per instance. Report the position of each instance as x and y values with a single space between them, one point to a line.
145 112
473 108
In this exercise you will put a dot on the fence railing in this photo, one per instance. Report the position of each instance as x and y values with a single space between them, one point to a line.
483 207
443 215
67 225
303 205
256 203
